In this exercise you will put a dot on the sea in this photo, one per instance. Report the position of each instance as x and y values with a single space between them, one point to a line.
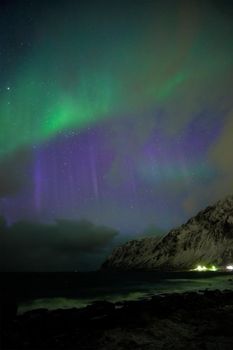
78 289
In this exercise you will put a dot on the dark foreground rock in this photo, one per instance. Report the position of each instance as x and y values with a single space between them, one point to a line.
176 321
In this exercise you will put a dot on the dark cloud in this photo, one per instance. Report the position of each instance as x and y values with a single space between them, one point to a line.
13 172
224 7
66 245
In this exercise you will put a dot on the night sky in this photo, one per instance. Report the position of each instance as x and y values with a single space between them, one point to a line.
120 113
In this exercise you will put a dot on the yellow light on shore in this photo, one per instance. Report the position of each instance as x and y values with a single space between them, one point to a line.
200 268
213 268
204 268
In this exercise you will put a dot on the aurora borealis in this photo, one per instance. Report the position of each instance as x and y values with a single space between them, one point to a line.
117 112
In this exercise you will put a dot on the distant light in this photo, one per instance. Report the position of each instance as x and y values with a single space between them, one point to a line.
213 268
200 268
204 268
229 267
8 88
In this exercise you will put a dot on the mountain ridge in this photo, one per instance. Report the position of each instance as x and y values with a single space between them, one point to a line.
206 238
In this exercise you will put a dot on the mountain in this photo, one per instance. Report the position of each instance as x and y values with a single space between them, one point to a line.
205 239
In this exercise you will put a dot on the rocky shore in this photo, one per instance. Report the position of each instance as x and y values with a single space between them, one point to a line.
191 320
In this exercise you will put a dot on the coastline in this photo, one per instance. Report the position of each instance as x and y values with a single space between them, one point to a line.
202 320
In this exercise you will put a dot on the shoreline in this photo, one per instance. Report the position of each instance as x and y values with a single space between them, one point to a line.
198 320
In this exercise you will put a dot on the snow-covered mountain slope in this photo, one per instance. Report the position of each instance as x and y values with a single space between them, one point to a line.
207 238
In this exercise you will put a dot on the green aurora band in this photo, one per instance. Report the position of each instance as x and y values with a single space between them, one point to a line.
75 78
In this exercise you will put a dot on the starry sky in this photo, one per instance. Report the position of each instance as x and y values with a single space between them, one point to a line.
118 112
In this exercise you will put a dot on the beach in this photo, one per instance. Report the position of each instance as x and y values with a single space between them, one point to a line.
188 312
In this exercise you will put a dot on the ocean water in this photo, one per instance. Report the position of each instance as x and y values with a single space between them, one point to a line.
67 290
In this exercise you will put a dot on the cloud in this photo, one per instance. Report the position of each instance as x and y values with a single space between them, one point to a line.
66 245
13 172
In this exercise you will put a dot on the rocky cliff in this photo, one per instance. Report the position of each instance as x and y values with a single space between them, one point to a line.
207 238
